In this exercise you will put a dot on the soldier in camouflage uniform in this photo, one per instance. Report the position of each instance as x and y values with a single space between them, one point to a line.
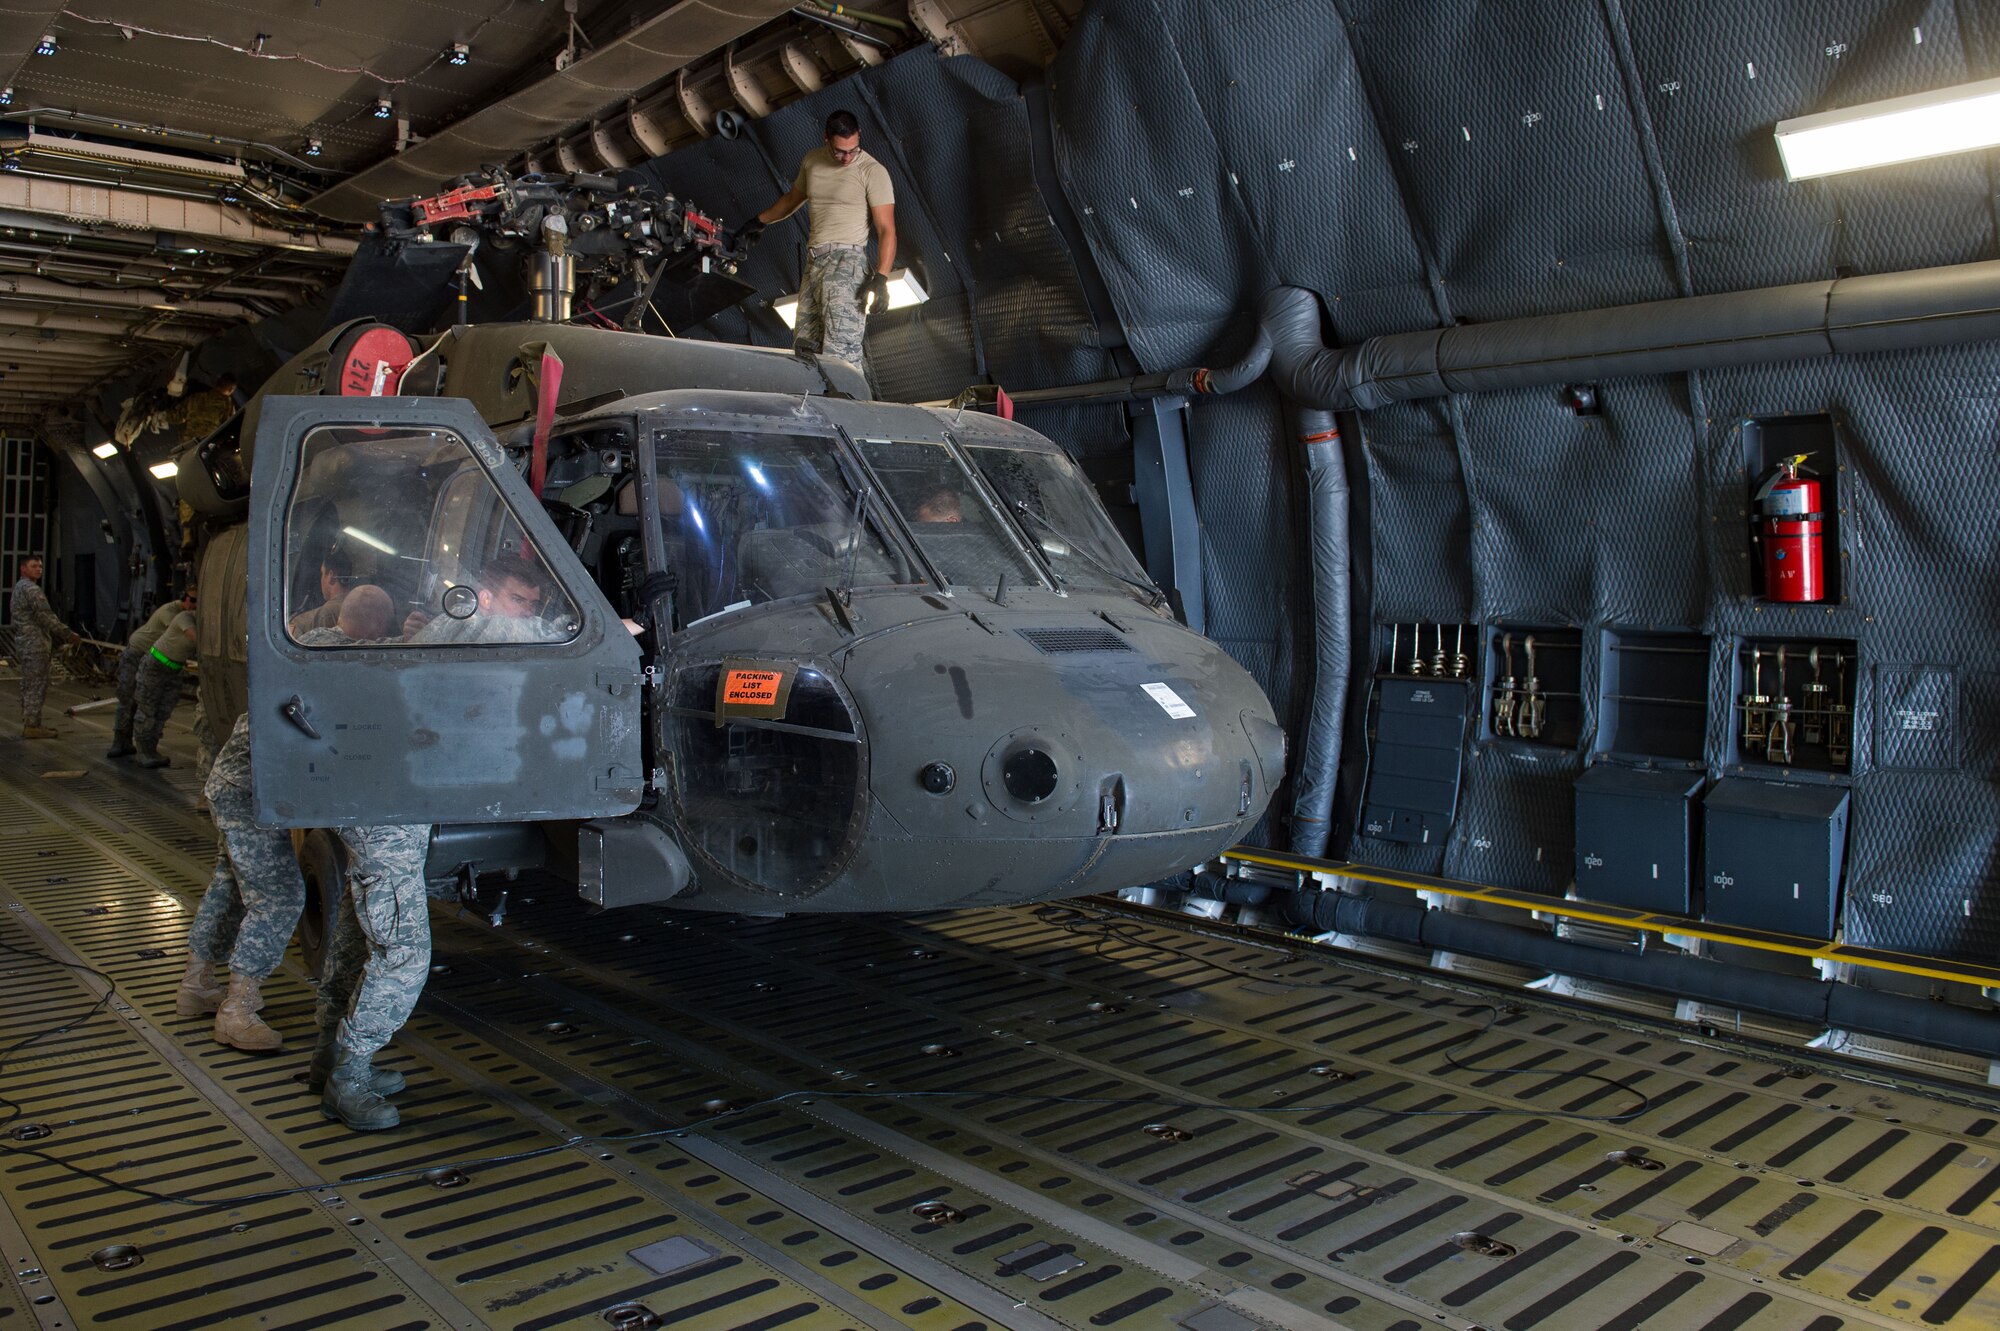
200 415
136 649
249 911
851 196
35 630
380 951
158 690
376 964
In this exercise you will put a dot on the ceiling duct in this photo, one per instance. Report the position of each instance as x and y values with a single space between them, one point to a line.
606 77
39 143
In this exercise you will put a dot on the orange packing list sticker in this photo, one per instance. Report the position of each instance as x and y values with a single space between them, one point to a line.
758 689
751 688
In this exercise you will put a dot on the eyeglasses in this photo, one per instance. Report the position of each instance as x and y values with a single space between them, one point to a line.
844 154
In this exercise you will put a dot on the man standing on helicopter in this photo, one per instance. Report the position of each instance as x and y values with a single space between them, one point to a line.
849 192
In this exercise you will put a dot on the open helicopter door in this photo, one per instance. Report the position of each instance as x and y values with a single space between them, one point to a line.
424 647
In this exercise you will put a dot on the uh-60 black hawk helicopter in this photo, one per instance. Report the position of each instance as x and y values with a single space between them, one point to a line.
689 622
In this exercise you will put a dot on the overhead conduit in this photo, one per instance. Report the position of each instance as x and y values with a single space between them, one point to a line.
1809 320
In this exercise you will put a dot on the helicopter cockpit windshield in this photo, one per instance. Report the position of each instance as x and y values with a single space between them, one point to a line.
1050 498
753 516
951 520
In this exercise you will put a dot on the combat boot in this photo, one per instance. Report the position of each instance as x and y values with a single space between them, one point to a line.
121 747
39 732
199 994
350 1099
236 1021
382 1081
150 757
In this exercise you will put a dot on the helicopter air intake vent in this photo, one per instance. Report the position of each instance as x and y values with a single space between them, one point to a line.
1053 641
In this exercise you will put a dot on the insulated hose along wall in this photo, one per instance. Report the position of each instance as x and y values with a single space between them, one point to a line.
1887 311
1318 766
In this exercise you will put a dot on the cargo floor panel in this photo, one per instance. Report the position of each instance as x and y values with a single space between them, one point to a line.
1063 1117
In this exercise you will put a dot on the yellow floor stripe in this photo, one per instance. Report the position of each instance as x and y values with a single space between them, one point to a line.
1901 962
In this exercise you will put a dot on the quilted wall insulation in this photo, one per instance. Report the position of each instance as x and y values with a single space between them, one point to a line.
1005 303
1464 161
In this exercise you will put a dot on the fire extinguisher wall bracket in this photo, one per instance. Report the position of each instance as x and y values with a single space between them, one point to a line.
1792 499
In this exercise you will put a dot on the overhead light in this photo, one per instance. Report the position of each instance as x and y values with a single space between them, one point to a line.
164 470
459 54
1900 129
312 147
107 449
7 95
375 541
47 45
9 164
904 291
384 108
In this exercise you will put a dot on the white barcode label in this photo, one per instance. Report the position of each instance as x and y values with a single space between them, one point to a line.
1169 701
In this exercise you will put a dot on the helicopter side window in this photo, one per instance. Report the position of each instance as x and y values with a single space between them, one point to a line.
1057 509
946 513
752 516
399 536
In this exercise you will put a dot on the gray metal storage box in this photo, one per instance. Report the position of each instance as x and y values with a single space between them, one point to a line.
1772 855
1414 768
1635 837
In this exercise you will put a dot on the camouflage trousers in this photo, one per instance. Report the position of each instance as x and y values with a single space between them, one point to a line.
204 741
380 953
128 692
31 650
254 898
154 700
830 318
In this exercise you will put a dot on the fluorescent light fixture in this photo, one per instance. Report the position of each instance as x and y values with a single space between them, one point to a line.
107 449
366 539
164 470
904 291
1901 129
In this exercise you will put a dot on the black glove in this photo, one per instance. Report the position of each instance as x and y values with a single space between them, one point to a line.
877 286
747 234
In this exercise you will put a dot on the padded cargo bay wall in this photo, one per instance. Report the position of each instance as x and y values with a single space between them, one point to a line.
1457 163
1427 165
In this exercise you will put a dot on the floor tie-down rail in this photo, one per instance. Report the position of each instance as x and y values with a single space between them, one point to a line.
1002 1119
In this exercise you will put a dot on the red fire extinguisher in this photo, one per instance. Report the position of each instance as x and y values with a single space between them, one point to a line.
1790 524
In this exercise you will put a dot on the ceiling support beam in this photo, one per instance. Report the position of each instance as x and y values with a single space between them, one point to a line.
124 298
95 209
106 326
612 72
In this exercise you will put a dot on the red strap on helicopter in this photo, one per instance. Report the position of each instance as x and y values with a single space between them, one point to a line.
549 388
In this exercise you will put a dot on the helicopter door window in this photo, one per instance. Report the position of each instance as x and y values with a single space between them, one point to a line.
399 536
1057 510
753 516
947 514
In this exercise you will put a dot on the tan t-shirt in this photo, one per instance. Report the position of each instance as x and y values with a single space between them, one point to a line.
840 196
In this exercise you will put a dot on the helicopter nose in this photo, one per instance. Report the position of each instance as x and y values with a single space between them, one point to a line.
1149 732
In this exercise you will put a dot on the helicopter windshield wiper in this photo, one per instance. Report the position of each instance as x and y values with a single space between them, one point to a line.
1153 595
852 539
